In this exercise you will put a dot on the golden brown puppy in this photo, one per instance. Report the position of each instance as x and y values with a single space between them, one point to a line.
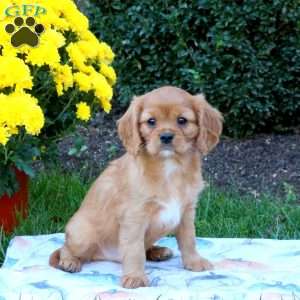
150 191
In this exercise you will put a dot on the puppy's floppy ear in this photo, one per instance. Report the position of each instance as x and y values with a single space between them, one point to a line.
210 122
128 127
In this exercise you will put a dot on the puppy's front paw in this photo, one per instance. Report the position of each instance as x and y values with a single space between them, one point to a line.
133 282
198 264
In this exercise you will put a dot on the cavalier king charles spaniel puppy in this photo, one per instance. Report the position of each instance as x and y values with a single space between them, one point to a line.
149 192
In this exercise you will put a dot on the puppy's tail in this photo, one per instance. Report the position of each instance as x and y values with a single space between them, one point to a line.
54 259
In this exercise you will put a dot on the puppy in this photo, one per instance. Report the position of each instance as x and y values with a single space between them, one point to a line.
150 191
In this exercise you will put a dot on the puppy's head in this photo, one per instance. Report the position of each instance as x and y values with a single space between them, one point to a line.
169 121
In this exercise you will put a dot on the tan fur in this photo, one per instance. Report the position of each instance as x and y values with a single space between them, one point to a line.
149 192
210 121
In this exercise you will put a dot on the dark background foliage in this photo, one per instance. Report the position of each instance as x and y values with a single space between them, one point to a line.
244 55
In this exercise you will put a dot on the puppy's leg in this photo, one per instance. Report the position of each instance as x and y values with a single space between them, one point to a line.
132 249
185 236
157 253
79 247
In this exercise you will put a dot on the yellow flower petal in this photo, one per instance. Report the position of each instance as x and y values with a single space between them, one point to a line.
83 111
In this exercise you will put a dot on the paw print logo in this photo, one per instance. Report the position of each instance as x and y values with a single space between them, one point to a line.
27 33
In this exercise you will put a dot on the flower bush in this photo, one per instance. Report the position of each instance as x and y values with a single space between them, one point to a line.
46 88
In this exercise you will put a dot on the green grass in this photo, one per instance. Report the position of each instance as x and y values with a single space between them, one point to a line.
54 197
228 214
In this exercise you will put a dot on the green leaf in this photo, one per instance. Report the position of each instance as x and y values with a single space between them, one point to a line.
72 151
26 168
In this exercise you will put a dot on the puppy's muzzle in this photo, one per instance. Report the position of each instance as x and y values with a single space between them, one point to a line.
166 138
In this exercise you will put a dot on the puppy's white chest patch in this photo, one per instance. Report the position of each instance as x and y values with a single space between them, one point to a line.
170 167
170 214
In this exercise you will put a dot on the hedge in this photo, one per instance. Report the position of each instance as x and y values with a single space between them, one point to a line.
244 55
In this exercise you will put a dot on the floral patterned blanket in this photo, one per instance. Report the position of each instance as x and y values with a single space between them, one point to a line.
257 269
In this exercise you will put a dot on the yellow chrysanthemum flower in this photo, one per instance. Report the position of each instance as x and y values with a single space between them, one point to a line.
105 53
4 135
43 55
83 111
83 81
20 109
63 78
108 72
88 48
106 105
77 57
14 73
53 38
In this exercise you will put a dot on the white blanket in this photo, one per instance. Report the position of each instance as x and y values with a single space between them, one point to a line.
244 269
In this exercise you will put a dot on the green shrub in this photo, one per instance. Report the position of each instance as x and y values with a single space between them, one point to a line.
244 55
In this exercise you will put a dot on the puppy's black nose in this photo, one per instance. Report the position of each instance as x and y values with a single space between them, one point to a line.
166 137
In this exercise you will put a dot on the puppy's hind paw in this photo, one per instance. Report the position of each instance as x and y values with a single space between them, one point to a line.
157 253
133 282
71 265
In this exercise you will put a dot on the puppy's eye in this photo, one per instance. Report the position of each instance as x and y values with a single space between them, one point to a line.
181 120
151 122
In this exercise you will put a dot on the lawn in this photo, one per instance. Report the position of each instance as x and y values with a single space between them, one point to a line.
55 196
